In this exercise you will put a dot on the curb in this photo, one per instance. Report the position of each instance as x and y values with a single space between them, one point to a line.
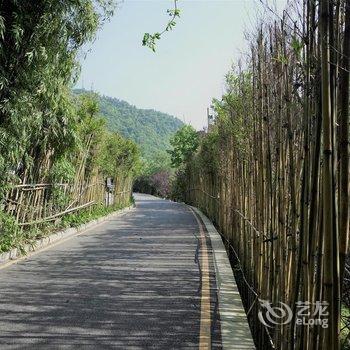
235 331
15 254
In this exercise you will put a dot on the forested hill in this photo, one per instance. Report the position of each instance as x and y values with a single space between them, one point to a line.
150 129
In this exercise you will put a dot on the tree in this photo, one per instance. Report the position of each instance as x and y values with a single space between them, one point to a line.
150 40
185 142
118 156
39 42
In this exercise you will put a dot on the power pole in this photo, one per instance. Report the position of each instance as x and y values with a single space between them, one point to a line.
208 118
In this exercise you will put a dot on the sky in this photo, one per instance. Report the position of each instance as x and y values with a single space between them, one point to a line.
189 66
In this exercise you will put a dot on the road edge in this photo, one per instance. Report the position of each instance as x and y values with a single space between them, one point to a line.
235 330
14 255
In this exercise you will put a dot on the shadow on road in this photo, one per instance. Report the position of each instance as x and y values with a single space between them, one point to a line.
131 283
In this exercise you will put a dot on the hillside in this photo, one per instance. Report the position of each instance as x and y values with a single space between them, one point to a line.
150 129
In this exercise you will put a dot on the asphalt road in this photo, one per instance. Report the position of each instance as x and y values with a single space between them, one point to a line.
133 282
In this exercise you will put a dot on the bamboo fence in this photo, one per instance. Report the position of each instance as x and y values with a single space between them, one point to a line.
33 204
279 189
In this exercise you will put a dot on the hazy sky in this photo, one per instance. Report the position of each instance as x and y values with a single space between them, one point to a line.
187 70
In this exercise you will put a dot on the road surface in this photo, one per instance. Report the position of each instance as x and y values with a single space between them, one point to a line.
133 282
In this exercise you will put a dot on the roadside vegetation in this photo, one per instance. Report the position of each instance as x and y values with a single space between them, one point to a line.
158 176
59 164
273 172
65 157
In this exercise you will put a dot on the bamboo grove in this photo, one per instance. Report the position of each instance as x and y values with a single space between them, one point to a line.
55 151
273 171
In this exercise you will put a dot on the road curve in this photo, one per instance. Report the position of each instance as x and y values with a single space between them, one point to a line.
133 282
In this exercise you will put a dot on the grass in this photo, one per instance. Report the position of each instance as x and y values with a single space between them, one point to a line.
345 328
